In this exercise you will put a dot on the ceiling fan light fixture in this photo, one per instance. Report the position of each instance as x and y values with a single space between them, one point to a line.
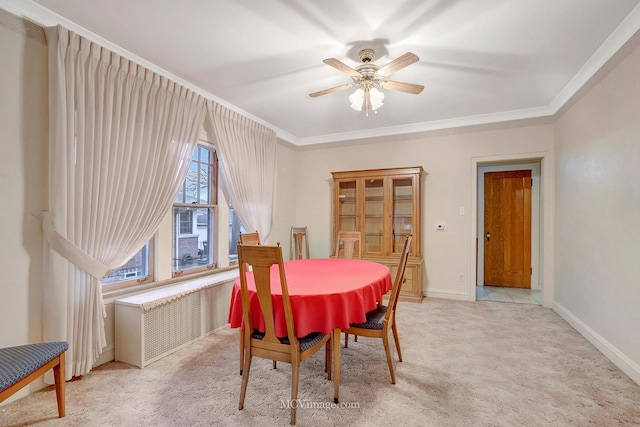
366 99
376 98
357 99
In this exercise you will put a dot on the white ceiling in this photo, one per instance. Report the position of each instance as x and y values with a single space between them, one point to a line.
481 61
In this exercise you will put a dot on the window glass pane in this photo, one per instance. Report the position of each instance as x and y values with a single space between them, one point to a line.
135 268
180 196
186 221
235 228
191 243
204 155
205 184
191 184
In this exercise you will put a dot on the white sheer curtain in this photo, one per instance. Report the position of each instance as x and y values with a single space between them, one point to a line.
247 156
120 143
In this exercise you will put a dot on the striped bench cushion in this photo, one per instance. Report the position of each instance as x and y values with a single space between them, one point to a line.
18 362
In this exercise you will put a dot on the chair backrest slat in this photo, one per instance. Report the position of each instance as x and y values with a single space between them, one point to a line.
397 283
351 243
260 260
298 235
250 238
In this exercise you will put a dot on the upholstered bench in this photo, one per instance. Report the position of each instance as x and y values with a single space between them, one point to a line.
22 364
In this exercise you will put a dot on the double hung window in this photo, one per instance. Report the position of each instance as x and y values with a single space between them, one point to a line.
194 215
193 231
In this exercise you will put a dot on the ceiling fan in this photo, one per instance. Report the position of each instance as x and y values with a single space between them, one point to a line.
369 78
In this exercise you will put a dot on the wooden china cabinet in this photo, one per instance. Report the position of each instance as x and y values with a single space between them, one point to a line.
384 205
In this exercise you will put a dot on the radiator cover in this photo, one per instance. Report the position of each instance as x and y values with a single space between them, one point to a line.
153 324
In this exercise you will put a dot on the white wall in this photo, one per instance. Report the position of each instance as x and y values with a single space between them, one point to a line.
23 170
448 185
284 205
597 267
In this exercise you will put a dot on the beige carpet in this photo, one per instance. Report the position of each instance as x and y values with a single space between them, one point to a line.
465 364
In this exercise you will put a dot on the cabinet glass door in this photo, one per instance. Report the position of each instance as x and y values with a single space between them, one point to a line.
402 211
347 206
373 216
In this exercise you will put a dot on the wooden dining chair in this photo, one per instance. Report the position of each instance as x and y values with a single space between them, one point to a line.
266 344
250 238
381 321
351 244
298 236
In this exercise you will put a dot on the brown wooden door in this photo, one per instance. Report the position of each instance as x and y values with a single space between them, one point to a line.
507 227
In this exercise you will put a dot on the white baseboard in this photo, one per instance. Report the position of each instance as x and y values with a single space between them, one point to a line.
435 293
108 354
618 358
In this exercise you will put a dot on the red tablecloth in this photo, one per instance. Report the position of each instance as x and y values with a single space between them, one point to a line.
325 294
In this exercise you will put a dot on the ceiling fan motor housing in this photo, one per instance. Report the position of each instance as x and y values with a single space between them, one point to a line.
368 71
366 55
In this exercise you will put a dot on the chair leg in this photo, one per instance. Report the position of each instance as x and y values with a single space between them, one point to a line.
295 376
336 365
327 358
346 340
245 379
274 364
58 375
387 349
240 335
397 340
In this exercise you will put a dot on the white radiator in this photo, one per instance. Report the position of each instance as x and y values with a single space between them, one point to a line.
153 324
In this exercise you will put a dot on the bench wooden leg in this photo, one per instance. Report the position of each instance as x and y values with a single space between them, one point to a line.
58 375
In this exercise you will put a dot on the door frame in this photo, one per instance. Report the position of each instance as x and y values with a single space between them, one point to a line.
544 253
535 217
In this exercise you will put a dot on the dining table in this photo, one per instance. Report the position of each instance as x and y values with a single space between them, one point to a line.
326 294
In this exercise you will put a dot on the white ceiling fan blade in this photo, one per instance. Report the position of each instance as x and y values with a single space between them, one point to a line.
333 89
402 87
335 63
398 64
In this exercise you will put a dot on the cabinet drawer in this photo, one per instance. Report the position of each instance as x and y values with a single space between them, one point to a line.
411 289
410 283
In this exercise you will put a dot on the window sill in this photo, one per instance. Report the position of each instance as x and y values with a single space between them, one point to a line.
176 284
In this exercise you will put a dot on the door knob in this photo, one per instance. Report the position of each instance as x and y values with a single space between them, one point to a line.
488 235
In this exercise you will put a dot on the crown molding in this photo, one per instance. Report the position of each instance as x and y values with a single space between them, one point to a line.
481 119
38 14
